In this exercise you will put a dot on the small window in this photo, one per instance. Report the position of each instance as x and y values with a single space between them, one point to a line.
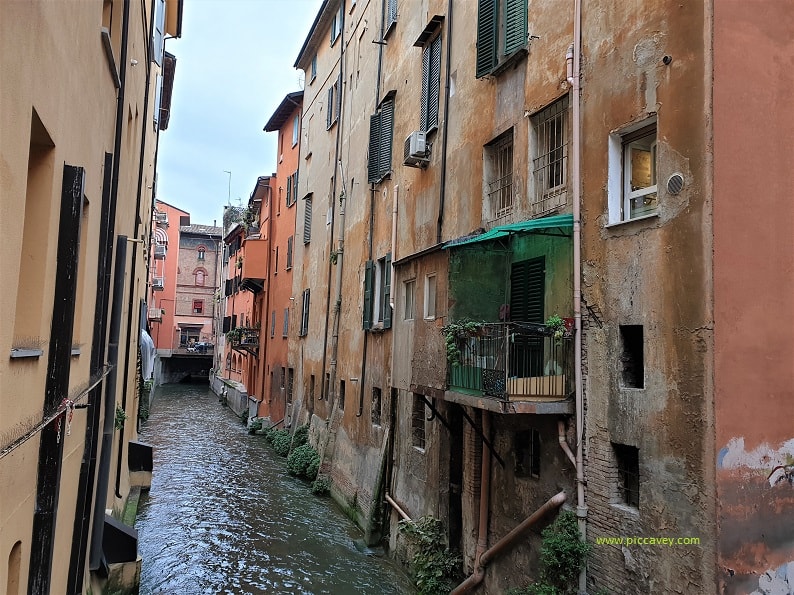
198 307
409 288
290 241
307 219
550 165
631 188
200 252
430 297
313 72
305 314
336 25
377 293
275 267
311 388
376 405
526 448
334 103
498 171
632 360
296 123
628 463
418 422
341 395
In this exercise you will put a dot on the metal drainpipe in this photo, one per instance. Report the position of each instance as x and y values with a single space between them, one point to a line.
574 60
110 404
443 182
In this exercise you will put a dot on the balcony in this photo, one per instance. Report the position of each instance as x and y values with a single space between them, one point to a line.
513 368
159 251
244 339
158 283
253 265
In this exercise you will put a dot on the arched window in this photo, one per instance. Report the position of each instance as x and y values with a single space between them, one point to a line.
201 250
199 277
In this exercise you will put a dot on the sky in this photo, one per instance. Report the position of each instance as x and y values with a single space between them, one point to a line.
234 65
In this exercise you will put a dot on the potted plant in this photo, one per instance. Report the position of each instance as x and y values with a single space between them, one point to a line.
454 331
556 326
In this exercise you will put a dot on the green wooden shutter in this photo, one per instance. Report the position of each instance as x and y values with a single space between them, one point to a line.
385 137
434 83
368 274
487 36
425 87
515 25
387 291
374 148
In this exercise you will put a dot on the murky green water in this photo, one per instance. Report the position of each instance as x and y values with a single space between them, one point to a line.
223 516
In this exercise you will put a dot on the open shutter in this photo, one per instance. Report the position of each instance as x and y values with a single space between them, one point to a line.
385 141
391 17
425 87
374 148
368 274
329 114
387 291
307 220
487 36
434 83
289 190
295 187
515 25
338 96
305 314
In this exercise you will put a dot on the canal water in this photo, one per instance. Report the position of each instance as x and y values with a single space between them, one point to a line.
223 516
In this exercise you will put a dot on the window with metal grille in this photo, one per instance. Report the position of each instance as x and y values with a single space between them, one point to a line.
628 463
381 125
501 34
305 314
550 166
307 219
526 448
431 84
418 422
499 175
376 403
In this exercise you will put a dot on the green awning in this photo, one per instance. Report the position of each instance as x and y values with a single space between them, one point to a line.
503 231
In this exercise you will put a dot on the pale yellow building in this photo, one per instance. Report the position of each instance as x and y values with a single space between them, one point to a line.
79 82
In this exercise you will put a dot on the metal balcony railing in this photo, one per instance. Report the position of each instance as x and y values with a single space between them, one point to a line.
514 361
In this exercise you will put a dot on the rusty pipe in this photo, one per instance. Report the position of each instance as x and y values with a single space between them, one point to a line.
564 443
397 507
508 541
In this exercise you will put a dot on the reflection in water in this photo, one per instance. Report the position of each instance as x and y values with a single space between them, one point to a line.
224 517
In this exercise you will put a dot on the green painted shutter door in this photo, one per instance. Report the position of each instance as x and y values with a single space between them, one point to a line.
387 292
385 140
527 288
368 270
425 87
434 87
487 36
374 148
515 25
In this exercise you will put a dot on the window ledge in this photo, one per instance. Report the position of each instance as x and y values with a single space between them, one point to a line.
26 353
511 60
624 222
625 509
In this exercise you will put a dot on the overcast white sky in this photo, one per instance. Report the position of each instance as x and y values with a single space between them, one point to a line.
233 68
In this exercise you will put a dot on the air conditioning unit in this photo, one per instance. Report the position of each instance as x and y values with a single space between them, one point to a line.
156 313
416 149
161 217
158 283
159 251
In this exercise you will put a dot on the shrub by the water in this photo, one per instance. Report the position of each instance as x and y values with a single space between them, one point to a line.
303 462
280 439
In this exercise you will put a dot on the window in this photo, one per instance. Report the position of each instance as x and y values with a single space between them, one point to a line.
290 241
377 290
285 329
334 102
376 405
632 189
409 288
201 252
290 383
305 314
418 422
628 463
381 126
327 384
391 15
311 388
336 26
158 34
307 219
431 84
430 297
275 264
632 361
292 189
200 276
499 175
341 395
501 34
526 447
549 168
198 307
313 74
296 124
273 324
283 378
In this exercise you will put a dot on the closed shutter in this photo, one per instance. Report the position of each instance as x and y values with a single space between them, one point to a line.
368 274
307 220
432 60
387 291
305 313
374 148
527 285
391 17
487 36
425 87
329 115
273 324
385 142
289 252
515 25
285 330
338 96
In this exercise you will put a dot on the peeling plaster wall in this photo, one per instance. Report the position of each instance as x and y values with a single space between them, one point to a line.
754 284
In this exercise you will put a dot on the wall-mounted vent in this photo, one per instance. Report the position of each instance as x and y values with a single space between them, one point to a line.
675 183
